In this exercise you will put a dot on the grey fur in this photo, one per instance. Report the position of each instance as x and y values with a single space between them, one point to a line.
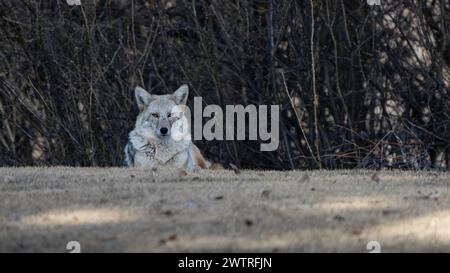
146 146
129 155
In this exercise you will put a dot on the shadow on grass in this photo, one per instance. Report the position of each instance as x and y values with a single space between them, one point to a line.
122 211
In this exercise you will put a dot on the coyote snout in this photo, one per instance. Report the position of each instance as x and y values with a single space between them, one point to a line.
161 124
162 132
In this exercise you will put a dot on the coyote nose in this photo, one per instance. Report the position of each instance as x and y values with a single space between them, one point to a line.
164 130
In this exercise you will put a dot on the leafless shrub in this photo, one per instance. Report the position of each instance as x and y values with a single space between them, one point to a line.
369 87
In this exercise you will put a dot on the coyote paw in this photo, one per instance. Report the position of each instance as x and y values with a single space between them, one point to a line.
193 169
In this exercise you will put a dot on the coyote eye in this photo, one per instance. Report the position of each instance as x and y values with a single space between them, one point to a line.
155 115
169 115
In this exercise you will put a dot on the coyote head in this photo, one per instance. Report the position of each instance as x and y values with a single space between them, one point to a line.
162 117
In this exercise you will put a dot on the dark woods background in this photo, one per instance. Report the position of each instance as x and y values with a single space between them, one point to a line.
359 86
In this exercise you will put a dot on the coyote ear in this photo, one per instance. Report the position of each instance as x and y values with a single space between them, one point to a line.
181 95
143 97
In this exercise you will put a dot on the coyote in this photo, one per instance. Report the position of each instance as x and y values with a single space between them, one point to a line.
162 133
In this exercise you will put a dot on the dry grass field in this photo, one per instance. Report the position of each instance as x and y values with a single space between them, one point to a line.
124 210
